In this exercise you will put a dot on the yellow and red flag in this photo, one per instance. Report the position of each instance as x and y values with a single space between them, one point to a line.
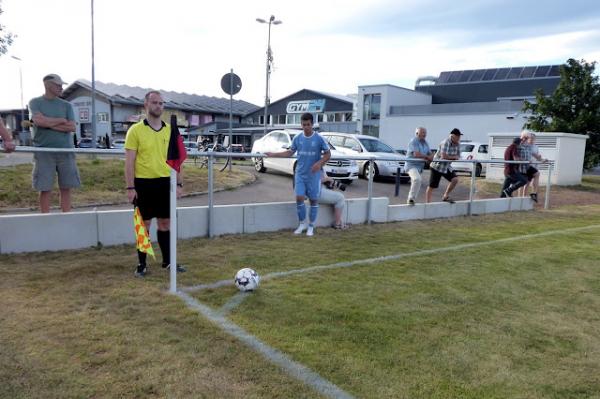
142 238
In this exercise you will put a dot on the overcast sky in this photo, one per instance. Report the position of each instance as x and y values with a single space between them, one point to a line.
328 45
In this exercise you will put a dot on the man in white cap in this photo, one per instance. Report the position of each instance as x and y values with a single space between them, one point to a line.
53 127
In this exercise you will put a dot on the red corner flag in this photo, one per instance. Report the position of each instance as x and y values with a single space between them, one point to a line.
176 153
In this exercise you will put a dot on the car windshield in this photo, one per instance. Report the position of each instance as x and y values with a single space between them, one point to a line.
373 145
466 147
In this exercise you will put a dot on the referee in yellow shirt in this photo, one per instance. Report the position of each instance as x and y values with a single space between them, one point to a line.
147 175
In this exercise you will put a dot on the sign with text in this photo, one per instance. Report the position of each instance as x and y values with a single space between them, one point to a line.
299 107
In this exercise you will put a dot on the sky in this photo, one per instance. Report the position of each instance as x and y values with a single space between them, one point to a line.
327 45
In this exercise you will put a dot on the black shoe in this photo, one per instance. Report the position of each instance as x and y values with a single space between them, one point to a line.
502 194
411 202
533 197
141 271
180 268
448 200
507 193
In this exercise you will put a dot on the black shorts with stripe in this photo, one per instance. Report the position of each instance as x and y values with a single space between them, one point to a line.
153 197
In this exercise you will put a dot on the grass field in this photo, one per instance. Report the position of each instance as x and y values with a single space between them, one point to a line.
498 306
103 182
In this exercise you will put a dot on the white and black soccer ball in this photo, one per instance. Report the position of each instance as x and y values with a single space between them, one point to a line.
247 279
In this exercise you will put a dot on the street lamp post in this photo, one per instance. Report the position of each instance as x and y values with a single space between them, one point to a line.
269 61
21 84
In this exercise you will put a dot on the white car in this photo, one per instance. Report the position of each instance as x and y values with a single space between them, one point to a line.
387 160
472 150
118 143
279 140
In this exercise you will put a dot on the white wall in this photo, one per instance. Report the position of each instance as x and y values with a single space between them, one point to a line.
63 231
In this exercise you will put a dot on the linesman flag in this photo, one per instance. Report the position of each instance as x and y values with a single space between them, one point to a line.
142 238
176 153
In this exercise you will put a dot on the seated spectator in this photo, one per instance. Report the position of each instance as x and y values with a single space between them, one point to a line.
333 197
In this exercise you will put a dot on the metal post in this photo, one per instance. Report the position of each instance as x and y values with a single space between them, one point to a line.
210 195
472 189
268 72
93 85
21 86
230 117
397 188
370 190
548 183
173 235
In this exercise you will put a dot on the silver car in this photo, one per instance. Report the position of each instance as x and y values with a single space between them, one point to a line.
344 170
387 160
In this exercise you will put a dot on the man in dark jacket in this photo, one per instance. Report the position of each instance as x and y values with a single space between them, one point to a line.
514 179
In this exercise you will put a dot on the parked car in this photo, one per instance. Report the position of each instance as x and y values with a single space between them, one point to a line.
469 151
85 143
190 146
387 161
118 143
344 170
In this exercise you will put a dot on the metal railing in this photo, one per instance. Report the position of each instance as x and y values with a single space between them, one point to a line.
212 155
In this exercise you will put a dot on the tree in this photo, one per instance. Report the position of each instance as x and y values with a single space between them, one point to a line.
6 38
574 107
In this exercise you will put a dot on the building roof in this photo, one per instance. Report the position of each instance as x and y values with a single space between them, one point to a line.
123 94
497 74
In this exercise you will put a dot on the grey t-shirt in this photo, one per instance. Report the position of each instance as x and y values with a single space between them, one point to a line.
55 108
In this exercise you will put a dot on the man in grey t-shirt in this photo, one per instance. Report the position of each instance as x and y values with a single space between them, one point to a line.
417 148
53 126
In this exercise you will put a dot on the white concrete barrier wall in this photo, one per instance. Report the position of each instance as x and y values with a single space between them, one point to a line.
61 231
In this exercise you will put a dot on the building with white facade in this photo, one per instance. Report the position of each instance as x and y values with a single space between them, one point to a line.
475 101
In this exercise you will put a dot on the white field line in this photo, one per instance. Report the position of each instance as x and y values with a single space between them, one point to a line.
379 259
294 369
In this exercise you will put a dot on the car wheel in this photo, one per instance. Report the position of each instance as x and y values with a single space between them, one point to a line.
259 165
366 171
478 168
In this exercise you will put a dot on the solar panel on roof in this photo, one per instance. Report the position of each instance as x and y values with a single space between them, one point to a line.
502 73
443 77
514 73
489 74
454 77
528 72
541 71
465 75
554 70
477 75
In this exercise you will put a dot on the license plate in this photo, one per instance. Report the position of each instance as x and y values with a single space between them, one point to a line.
338 170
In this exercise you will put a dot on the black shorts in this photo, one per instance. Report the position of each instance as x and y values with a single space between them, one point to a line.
435 177
531 171
153 197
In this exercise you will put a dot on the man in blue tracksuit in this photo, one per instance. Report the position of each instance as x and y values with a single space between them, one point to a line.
312 154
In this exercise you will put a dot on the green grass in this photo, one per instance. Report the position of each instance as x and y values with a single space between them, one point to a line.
508 320
103 182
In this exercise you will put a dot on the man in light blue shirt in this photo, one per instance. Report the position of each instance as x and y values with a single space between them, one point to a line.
312 154
417 148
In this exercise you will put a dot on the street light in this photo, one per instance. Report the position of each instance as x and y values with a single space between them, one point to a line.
21 83
269 61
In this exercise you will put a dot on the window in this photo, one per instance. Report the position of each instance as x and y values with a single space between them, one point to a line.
321 118
261 120
483 149
371 130
336 140
351 143
347 116
281 119
102 117
292 119
371 106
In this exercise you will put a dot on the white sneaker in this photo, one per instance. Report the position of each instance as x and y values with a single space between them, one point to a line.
310 231
300 228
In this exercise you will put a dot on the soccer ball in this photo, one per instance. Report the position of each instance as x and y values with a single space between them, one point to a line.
247 279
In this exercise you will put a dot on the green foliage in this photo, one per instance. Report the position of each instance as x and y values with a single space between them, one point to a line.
573 108
6 38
